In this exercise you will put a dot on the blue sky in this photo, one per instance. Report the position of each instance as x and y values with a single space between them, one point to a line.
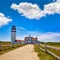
39 18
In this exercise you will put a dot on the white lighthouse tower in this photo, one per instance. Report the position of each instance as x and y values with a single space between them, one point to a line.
13 34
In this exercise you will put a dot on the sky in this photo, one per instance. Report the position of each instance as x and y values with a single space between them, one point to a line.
39 18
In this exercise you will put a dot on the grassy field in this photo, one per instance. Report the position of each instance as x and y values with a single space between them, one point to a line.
7 46
56 44
43 55
57 52
4 43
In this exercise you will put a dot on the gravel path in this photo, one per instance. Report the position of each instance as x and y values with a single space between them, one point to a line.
22 53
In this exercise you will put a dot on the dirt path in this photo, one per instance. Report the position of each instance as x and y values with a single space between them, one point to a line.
22 53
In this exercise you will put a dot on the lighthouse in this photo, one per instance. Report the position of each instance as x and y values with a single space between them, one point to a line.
13 34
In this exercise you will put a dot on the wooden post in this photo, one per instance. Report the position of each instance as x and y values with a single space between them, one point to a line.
45 46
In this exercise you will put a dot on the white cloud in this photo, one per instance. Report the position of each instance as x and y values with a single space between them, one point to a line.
32 11
4 20
58 0
50 37
28 10
52 8
21 28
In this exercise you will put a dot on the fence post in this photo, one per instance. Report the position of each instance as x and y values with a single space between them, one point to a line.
45 46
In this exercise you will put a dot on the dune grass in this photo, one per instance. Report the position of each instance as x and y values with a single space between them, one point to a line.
5 42
7 46
57 52
56 44
43 55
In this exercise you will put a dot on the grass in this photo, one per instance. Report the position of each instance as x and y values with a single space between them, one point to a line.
6 47
43 55
4 43
57 52
56 44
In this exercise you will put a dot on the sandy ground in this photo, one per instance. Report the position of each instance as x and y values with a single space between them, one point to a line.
22 53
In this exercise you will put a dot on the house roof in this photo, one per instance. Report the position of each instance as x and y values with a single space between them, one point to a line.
18 40
27 38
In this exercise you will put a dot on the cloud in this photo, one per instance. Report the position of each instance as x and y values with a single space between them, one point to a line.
47 37
28 10
32 11
4 20
58 0
21 28
50 37
52 8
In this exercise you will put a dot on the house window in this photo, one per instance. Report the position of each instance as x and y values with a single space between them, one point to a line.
29 38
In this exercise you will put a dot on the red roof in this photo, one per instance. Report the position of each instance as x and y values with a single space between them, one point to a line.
18 40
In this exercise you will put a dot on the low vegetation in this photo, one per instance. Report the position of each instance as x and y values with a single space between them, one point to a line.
56 44
57 52
43 55
7 46
4 43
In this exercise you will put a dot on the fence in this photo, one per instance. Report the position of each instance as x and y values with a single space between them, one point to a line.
57 57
